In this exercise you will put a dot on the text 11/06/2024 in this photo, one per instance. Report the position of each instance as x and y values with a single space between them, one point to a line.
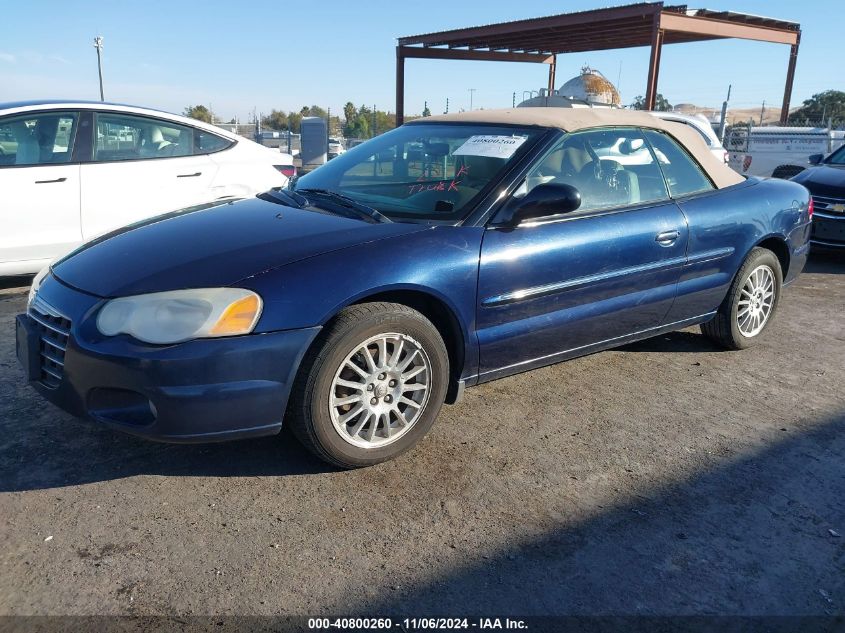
416 624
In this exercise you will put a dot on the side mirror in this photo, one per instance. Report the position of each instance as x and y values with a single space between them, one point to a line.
546 200
816 159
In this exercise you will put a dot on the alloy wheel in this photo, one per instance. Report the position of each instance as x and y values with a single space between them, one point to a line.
380 390
756 299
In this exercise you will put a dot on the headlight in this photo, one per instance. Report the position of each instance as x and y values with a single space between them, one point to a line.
36 284
180 315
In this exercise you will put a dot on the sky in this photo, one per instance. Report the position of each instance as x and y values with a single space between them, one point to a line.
265 54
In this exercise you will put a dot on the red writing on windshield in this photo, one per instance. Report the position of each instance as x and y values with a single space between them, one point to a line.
440 185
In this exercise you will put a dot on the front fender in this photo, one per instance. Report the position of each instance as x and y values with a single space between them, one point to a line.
441 262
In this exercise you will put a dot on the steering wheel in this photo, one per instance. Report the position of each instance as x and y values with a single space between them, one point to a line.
608 172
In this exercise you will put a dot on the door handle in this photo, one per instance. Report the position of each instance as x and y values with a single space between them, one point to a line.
199 173
667 238
44 182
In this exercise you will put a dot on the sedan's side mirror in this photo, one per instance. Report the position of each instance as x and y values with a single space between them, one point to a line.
815 159
547 200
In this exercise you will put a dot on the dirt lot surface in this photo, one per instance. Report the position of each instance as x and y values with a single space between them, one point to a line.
666 477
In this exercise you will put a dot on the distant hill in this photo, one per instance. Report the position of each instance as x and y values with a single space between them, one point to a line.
734 115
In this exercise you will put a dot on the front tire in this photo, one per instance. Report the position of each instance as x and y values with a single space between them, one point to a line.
750 304
371 386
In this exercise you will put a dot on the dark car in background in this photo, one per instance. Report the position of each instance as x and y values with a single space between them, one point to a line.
826 181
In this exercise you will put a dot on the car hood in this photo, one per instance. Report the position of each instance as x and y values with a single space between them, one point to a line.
823 180
211 247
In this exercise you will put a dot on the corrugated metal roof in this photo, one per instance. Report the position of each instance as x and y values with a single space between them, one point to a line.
596 29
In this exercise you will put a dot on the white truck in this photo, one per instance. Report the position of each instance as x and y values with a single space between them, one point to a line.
780 152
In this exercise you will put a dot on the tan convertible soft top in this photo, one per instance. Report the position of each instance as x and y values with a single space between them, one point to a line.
572 119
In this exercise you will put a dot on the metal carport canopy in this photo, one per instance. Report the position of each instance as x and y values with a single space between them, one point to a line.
540 40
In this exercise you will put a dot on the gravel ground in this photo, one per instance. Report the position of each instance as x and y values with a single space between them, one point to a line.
665 477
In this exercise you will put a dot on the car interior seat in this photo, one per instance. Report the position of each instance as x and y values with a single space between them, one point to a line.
158 144
45 135
574 161
28 152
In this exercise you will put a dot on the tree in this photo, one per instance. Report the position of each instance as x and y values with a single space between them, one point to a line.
349 112
276 120
200 113
314 110
819 108
317 111
384 122
661 104
426 111
294 122
360 127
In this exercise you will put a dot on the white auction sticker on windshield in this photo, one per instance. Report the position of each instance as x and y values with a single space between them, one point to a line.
491 146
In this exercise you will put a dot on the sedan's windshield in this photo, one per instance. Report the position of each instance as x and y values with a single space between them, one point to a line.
429 172
837 158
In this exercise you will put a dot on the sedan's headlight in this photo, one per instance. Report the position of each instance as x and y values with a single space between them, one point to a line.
180 315
36 284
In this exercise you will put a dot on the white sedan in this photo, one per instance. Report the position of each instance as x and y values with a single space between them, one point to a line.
70 171
700 125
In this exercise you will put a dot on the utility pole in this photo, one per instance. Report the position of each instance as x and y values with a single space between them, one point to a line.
762 111
514 100
447 106
98 44
724 115
374 121
471 91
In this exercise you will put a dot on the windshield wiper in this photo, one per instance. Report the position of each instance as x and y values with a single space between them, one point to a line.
285 196
345 201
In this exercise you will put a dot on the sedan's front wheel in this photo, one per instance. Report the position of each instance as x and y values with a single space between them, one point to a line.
371 386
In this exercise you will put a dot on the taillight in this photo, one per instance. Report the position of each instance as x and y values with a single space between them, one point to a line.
286 170
810 209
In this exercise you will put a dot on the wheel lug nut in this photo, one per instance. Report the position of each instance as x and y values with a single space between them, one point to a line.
388 399
373 401
382 376
392 383
369 387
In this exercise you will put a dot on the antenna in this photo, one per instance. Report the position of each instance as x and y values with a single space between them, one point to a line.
619 76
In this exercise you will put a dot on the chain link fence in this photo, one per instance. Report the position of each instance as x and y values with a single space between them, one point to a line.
779 151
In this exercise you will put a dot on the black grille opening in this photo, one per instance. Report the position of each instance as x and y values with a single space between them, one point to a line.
825 203
54 330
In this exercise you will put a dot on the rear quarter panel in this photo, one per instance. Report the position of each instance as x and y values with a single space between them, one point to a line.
725 225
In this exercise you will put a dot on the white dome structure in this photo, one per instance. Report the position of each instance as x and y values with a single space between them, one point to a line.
591 86
590 89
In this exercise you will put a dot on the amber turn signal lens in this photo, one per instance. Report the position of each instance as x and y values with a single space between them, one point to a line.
238 318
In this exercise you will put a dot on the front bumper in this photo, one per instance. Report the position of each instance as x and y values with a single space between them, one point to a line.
197 391
828 230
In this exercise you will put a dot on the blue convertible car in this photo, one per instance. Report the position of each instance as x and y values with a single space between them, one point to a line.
448 252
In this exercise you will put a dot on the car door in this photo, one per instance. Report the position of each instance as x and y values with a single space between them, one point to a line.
140 167
39 189
561 284
719 230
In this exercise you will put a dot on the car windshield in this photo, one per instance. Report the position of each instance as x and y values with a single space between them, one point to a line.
430 172
837 158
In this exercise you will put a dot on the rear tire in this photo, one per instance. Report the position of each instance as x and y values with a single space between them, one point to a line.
750 304
397 392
